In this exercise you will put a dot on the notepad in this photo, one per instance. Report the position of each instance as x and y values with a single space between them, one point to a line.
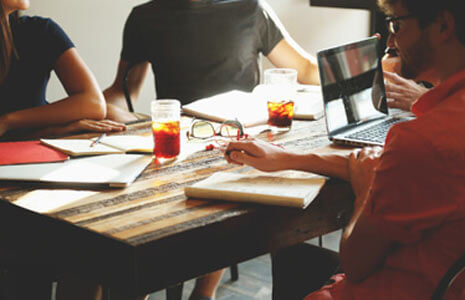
108 145
234 105
115 170
289 188
308 100
251 108
28 152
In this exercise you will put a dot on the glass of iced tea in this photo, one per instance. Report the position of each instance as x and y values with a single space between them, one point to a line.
281 87
166 117
280 114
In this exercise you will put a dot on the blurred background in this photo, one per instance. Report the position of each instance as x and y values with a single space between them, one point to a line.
96 29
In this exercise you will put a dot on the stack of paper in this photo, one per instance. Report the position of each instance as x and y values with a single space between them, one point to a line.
251 108
289 188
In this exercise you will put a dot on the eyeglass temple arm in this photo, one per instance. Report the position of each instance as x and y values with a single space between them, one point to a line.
127 95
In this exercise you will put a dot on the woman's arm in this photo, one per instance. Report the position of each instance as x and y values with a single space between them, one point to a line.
85 101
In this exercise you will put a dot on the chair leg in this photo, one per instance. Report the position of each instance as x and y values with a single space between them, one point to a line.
4 285
234 272
174 292
105 293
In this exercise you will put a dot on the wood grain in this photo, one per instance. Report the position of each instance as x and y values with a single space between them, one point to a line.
154 219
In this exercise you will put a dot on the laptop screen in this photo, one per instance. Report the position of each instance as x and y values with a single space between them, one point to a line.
352 84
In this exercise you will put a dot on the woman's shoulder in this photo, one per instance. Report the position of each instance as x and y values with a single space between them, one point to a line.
36 23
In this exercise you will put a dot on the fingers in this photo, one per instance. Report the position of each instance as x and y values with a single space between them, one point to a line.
112 125
240 158
393 77
366 152
234 150
249 146
101 126
393 103
395 88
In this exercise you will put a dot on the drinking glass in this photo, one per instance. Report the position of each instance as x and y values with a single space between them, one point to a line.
166 118
281 88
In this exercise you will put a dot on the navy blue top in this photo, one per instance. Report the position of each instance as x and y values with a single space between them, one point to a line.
39 42
200 48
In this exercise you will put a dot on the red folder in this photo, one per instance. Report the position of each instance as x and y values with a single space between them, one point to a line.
28 152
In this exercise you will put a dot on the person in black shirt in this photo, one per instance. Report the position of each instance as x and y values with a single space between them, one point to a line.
201 48
30 48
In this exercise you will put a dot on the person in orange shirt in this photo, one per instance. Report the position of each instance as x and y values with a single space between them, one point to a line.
409 212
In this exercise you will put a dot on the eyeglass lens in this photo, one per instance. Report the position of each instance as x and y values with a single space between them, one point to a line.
204 130
229 130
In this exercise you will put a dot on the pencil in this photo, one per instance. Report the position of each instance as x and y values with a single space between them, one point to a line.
97 140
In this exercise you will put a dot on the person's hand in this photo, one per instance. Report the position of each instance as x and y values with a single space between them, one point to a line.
93 126
362 163
401 92
258 154
391 63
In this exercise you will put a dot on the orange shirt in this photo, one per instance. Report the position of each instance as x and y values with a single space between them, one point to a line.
418 194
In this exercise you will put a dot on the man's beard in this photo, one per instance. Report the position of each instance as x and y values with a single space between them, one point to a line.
416 59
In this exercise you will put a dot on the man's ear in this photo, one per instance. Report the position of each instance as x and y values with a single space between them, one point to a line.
447 25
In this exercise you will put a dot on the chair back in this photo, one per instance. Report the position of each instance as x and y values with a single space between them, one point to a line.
127 95
448 279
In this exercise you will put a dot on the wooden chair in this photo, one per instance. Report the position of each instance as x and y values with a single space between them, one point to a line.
457 268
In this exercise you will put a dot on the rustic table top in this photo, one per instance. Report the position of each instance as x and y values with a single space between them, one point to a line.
148 236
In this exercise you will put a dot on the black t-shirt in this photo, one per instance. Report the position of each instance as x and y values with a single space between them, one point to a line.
39 43
200 49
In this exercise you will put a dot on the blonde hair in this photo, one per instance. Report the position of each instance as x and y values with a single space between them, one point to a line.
7 47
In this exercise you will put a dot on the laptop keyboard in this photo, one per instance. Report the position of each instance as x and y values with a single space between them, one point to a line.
376 133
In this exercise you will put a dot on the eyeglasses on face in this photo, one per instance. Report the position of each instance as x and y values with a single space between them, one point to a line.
201 129
393 23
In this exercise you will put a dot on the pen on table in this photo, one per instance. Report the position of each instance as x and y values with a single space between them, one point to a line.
98 140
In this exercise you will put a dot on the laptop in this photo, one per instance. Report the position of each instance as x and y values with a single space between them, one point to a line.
355 102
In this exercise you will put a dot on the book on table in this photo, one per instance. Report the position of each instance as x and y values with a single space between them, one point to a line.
250 108
288 188
113 170
28 152
112 144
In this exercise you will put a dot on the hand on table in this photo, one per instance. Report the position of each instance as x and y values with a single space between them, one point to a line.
362 163
258 154
401 92
85 125
93 126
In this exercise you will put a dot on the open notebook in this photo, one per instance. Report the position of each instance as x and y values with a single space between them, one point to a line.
250 108
107 145
112 170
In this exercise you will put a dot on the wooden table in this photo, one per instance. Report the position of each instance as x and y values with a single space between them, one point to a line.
148 236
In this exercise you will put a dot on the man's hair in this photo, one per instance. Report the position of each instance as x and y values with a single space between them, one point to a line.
426 11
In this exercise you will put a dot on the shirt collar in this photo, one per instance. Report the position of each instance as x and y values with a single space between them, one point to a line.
439 93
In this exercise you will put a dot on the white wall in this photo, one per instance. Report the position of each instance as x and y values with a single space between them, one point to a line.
95 26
